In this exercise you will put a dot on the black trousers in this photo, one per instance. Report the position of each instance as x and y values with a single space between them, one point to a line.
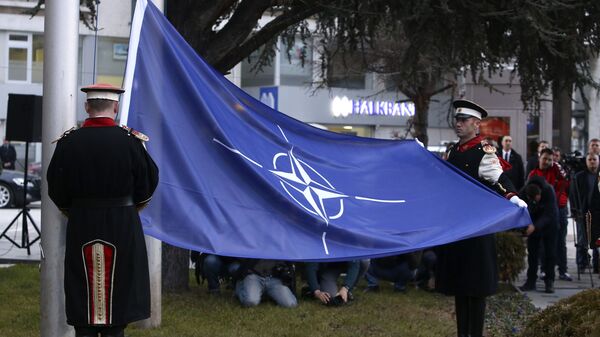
470 314
93 331
548 239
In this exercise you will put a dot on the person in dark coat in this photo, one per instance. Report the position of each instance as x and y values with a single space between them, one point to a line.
580 197
100 176
8 155
543 209
517 170
468 269
593 217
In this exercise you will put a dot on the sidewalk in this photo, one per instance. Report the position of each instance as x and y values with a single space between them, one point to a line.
563 289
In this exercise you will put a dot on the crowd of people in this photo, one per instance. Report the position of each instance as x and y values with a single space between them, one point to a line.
330 283
573 182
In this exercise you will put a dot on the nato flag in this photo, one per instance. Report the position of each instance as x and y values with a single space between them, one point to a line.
238 178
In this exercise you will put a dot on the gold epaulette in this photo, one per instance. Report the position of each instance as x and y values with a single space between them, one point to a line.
487 147
66 133
135 133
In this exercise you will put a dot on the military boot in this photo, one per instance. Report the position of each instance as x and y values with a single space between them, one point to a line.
86 332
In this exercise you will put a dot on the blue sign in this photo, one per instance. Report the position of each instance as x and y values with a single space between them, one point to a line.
269 96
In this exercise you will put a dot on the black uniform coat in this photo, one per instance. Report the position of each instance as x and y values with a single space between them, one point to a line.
469 267
99 176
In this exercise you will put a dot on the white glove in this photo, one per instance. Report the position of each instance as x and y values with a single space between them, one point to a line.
518 201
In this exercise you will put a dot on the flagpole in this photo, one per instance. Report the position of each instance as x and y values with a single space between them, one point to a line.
61 35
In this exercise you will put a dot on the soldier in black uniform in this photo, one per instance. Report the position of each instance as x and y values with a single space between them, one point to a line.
468 269
100 176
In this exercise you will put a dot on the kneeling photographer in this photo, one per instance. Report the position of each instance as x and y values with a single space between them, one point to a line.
274 278
543 209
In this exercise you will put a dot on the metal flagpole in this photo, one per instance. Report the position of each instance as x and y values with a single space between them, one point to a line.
154 247
61 34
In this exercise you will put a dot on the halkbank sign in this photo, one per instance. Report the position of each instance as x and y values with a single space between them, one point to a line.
344 107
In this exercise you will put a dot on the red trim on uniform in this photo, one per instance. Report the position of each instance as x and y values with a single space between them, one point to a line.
505 165
108 260
470 144
98 122
89 270
107 278
510 195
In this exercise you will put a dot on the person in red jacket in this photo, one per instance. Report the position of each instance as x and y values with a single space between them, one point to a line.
556 177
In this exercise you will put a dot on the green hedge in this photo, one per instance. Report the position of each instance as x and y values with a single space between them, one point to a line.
511 255
576 316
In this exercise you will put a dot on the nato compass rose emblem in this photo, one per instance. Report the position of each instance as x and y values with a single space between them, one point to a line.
307 187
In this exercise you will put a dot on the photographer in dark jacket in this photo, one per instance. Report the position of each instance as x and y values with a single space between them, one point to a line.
399 269
541 201
582 187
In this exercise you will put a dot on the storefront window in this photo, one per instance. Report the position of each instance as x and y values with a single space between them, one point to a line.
294 70
494 128
255 76
346 72
533 132
361 131
578 134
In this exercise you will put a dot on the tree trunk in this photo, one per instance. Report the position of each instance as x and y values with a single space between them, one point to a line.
421 118
561 115
175 268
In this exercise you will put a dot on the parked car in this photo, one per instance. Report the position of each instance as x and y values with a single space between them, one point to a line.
11 189
35 168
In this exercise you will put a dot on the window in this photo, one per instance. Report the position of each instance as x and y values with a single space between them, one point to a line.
25 58
346 71
19 58
110 60
293 72
37 62
253 75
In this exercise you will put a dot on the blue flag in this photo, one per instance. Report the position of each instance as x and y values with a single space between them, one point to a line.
238 178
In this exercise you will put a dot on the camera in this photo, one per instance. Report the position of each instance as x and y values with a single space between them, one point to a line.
284 272
573 162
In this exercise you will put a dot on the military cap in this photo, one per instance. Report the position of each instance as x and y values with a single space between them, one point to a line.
102 91
464 109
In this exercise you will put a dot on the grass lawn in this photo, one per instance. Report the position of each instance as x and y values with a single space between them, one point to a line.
417 313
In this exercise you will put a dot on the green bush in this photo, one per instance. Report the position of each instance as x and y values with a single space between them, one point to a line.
511 255
576 316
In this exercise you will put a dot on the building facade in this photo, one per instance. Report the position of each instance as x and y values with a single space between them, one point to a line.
364 107
359 104
101 58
